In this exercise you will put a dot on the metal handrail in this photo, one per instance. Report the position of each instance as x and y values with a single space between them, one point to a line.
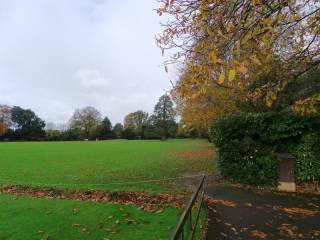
178 233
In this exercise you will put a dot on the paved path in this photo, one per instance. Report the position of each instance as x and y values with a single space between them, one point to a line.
246 214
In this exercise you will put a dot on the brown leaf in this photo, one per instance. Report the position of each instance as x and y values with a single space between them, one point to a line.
221 202
258 234
221 78
297 211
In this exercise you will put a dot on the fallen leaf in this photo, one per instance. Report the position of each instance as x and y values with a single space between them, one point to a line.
258 234
159 211
221 78
221 202
232 74
297 211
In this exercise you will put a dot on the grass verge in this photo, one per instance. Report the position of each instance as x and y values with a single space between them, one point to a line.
32 218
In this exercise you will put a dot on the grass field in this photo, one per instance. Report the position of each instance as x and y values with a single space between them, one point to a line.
106 165
103 165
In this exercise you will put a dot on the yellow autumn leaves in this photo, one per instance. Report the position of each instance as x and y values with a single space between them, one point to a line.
247 51
231 76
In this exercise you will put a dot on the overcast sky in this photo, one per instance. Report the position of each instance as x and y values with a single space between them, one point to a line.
59 55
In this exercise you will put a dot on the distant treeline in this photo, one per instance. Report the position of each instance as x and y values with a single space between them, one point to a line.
18 124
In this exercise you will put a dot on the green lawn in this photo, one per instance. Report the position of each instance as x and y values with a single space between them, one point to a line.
31 218
105 165
102 165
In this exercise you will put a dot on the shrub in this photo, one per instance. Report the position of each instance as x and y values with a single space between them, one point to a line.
308 158
152 132
248 142
129 134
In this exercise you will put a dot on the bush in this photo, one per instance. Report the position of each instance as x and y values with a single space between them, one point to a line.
308 158
152 132
129 134
248 142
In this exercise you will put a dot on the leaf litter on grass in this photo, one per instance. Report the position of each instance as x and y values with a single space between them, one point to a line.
145 201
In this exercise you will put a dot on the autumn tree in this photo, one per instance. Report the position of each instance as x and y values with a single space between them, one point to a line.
235 42
5 118
199 101
27 124
140 120
128 121
86 122
164 115
304 95
136 121
189 131
307 106
53 135
3 129
5 115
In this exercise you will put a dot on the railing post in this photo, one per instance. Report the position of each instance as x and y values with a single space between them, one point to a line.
189 224
186 216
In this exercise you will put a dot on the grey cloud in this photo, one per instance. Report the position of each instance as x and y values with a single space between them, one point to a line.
56 56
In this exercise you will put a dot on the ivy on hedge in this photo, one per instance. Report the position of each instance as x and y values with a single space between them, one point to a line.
248 143
308 158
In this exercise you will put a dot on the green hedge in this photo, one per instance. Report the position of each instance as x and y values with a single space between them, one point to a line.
308 158
248 142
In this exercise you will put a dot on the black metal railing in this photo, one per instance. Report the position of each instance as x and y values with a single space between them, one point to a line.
186 227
